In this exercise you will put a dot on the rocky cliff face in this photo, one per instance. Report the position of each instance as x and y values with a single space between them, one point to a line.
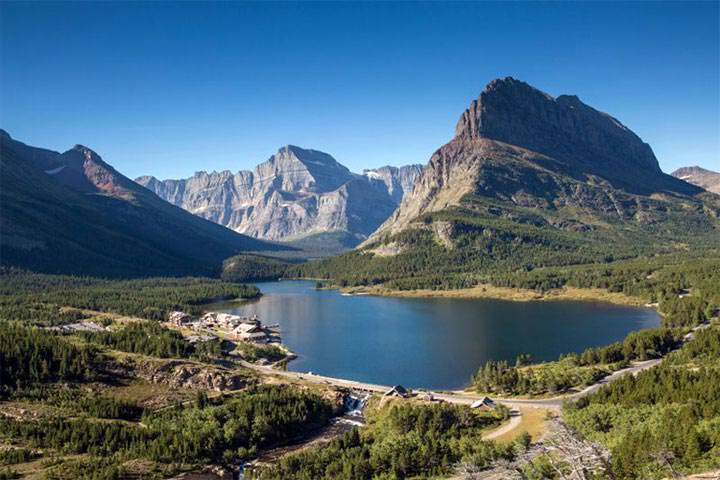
297 192
699 176
396 182
520 145
584 140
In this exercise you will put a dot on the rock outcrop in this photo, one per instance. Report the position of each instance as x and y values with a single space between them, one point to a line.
184 374
699 176
395 181
296 193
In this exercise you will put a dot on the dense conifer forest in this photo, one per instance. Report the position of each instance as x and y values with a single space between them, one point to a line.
664 420
400 441
43 299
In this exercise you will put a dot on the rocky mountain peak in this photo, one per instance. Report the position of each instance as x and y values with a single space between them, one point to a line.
87 172
585 140
518 144
296 192
295 168
699 176
396 181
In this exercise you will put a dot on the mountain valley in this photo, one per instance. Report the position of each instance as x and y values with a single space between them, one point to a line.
529 181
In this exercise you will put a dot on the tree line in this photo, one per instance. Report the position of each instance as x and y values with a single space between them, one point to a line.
40 298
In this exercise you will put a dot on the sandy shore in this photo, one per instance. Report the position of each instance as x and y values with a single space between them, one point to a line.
514 294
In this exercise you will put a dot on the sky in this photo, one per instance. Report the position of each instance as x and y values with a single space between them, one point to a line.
167 89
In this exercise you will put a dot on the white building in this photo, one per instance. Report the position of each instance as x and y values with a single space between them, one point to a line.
250 333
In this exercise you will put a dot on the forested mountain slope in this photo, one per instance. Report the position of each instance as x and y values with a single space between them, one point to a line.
529 181
74 213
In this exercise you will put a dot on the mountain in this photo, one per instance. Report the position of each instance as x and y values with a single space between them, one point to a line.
395 181
528 181
73 213
295 194
699 176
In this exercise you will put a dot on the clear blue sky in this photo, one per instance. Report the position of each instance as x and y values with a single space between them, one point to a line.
170 88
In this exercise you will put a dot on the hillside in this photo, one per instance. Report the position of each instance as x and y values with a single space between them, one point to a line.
529 181
699 176
73 213
294 194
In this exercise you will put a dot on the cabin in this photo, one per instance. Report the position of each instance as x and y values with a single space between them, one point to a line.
179 319
397 391
485 403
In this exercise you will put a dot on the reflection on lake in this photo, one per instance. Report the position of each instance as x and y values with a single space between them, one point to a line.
431 342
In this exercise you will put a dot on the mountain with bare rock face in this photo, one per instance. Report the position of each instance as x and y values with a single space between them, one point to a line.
699 176
529 180
396 181
518 144
294 194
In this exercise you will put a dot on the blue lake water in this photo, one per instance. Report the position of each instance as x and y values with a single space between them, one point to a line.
435 343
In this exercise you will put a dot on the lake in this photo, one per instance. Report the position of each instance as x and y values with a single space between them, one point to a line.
435 343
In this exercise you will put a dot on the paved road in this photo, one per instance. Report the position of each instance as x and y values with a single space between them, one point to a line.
462 398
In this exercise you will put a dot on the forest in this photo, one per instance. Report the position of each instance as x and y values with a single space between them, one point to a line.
664 421
224 430
400 441
574 370
42 299
500 243
253 268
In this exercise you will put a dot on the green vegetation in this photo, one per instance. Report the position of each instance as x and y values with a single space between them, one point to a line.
224 430
11 456
236 428
400 441
574 370
253 268
253 352
147 338
29 355
484 238
41 299
53 381
78 400
665 419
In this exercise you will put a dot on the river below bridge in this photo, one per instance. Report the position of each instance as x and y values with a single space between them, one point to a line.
435 343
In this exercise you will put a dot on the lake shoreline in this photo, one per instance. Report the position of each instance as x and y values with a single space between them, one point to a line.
331 328
504 293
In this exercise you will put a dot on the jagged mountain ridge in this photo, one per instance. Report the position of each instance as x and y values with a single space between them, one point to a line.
699 176
73 213
295 193
395 181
